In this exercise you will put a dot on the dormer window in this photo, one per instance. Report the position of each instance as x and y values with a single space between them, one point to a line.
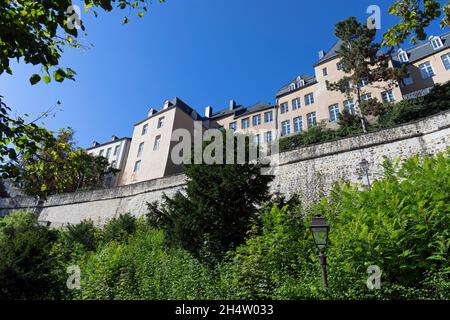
436 42
292 87
301 83
403 56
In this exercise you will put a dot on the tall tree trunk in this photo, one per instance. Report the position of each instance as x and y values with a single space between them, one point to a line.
361 114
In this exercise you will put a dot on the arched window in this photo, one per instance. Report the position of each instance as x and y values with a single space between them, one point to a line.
436 42
403 55
292 87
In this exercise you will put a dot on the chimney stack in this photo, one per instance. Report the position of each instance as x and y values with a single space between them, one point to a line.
208 112
321 54
232 104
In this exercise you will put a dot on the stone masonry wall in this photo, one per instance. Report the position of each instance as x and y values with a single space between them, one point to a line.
307 171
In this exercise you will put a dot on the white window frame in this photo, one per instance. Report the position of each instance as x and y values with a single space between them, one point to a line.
247 123
268 136
286 128
157 143
388 96
140 149
311 116
284 108
116 150
334 115
161 122
137 166
436 42
403 56
296 104
446 61
309 99
268 118
144 129
298 124
425 70
292 87
349 106
258 120
233 126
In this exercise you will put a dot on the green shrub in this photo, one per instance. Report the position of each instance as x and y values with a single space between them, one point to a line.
401 225
26 265
84 233
120 228
144 269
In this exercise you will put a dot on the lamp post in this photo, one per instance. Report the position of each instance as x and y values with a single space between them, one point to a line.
364 164
320 229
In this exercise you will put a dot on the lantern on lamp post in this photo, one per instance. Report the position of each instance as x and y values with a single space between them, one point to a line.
320 229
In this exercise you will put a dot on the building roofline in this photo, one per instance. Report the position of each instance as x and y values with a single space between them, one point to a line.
106 143
280 95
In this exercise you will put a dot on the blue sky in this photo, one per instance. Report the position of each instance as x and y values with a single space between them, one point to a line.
203 51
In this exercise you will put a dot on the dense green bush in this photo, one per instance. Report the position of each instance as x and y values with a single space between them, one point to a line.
26 264
84 233
120 228
143 268
401 225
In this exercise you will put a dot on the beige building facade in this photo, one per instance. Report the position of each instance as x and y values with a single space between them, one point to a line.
116 151
151 147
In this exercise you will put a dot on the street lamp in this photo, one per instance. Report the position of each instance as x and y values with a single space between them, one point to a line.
320 228
364 164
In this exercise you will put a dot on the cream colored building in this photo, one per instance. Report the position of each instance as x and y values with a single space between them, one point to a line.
116 151
150 151
305 101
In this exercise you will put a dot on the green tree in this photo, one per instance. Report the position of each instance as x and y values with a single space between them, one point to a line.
415 16
59 168
362 61
38 31
215 210
26 264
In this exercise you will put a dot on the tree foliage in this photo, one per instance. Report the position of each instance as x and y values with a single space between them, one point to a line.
415 16
38 32
59 168
214 212
362 61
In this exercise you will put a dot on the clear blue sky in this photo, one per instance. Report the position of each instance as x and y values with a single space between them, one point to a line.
203 51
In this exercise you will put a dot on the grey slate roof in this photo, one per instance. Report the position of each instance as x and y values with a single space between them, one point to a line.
424 49
308 81
331 54
240 111
107 143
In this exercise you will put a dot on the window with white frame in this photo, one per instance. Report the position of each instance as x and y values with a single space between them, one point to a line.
349 106
296 104
446 61
268 136
285 128
300 83
101 153
233 126
268 116
311 119
140 149
161 122
116 150
257 120
137 166
292 87
309 99
426 69
388 96
108 153
325 72
298 124
284 108
364 82
366 97
245 123
145 129
157 143
403 56
436 43
334 112
257 139
339 66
